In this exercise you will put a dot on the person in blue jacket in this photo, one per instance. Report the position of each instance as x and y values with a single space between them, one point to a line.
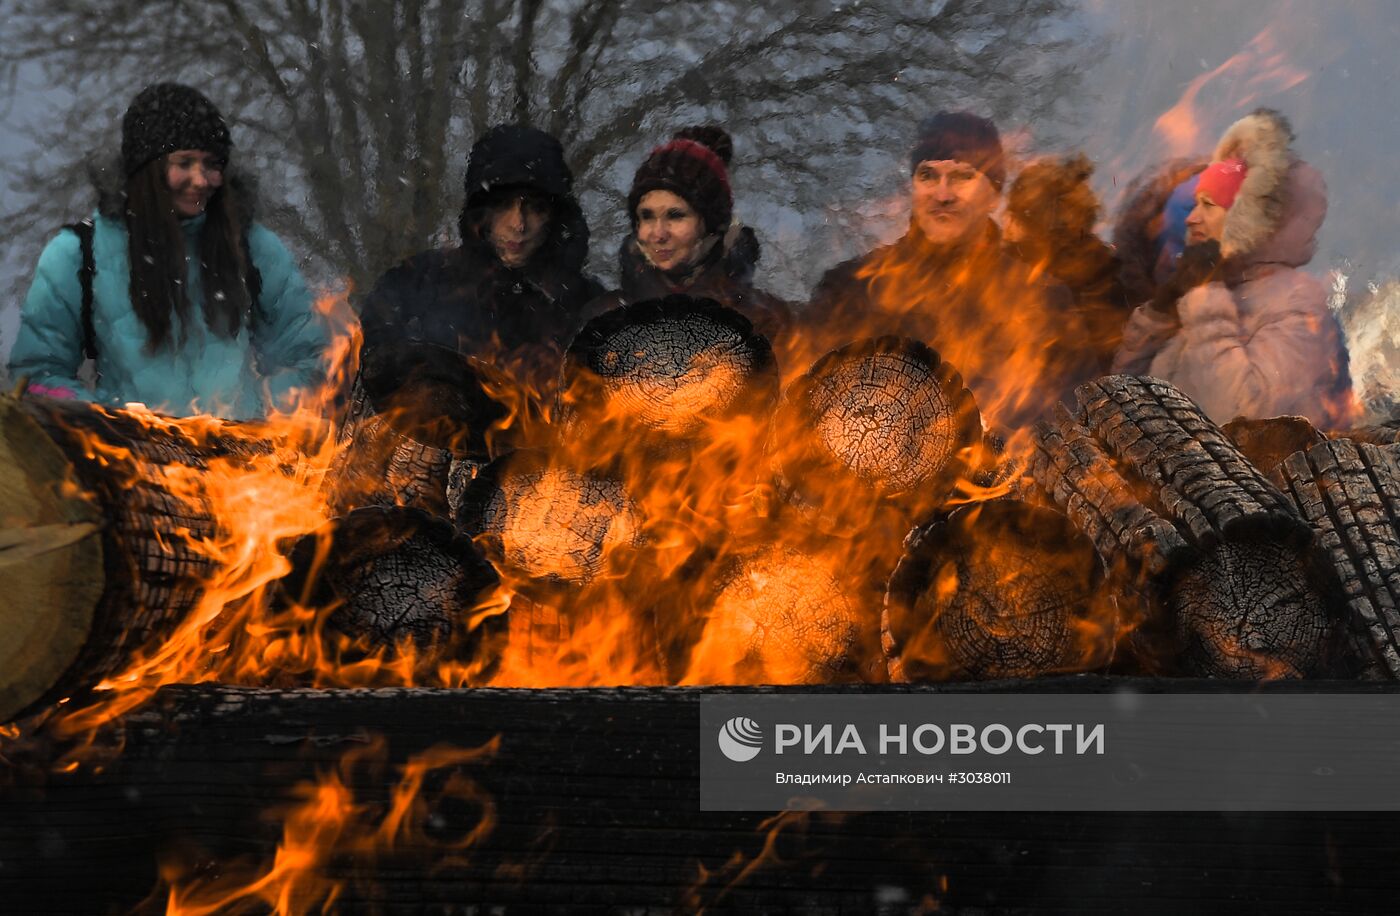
184 303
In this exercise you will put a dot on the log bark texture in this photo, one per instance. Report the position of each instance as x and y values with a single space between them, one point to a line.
1350 494
1200 479
141 576
1075 470
596 807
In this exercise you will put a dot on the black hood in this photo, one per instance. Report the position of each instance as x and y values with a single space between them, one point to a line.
512 157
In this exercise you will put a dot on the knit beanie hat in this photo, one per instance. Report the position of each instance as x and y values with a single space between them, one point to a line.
693 166
165 117
964 137
1222 181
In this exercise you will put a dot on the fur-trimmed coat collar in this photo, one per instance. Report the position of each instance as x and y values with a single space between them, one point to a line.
1283 201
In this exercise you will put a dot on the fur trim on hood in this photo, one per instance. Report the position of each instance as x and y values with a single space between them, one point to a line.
1264 140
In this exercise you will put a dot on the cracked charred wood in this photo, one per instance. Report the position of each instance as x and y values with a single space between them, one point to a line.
1073 468
1350 493
398 576
1199 479
1254 610
1245 597
883 418
785 615
1266 443
97 554
420 416
998 589
654 375
547 522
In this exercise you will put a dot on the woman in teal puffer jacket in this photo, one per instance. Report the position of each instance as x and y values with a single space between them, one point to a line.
194 308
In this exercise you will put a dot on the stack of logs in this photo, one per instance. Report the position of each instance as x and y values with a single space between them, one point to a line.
1141 538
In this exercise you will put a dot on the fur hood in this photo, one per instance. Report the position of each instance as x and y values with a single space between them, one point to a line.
108 179
1283 201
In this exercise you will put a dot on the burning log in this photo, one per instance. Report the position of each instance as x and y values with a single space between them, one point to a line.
1250 610
1202 481
592 799
1266 443
547 522
398 576
1165 495
998 589
1071 465
783 615
884 417
418 421
565 541
98 556
1350 494
662 370
1387 433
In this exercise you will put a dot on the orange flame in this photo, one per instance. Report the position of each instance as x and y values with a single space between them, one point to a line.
1260 68
328 822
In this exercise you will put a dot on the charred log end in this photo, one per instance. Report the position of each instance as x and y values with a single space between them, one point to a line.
547 522
883 418
788 617
664 370
417 409
1001 589
1266 443
1250 610
392 577
51 562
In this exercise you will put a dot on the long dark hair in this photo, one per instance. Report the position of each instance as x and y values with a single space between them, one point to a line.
156 254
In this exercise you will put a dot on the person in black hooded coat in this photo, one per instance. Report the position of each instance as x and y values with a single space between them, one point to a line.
684 238
515 290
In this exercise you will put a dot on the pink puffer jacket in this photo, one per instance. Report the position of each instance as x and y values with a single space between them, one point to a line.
1263 342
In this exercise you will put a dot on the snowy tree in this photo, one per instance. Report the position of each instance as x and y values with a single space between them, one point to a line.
357 115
